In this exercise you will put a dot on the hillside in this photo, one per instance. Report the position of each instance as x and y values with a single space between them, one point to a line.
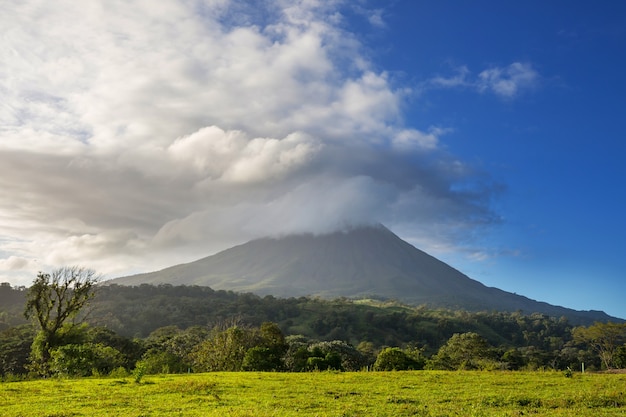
358 263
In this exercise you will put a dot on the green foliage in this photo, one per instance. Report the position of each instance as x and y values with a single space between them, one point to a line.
396 359
339 355
604 338
224 350
297 354
463 351
620 357
533 341
54 302
130 350
272 337
269 352
261 358
12 300
85 359
15 346
140 371
119 372
169 349
317 363
513 359
138 311
162 362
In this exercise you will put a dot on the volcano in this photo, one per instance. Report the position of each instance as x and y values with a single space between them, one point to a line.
363 262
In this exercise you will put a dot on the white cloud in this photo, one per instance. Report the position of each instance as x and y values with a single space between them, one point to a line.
136 135
231 156
14 263
458 80
411 140
508 82
376 18
505 82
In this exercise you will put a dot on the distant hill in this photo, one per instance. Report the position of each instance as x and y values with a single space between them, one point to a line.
358 263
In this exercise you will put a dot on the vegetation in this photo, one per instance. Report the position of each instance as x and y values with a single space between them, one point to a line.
606 339
52 301
151 330
12 301
396 359
397 394
165 350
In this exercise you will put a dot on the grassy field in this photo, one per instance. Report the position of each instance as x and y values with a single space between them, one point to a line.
419 393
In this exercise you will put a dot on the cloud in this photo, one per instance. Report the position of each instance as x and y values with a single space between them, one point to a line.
458 80
506 83
374 17
14 263
232 157
137 135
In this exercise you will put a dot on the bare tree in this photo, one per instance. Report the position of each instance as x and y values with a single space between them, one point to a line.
54 302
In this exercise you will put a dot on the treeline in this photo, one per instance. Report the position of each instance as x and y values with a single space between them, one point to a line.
162 329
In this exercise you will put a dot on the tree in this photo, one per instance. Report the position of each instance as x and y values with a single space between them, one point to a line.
261 359
15 345
268 354
396 359
513 359
339 355
620 357
224 350
54 302
604 339
295 358
273 338
463 351
85 359
162 362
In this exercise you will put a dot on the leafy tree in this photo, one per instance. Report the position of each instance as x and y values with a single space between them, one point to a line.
320 361
15 344
620 357
604 339
396 359
85 359
368 351
11 306
295 358
463 351
514 359
268 354
53 301
304 355
131 350
339 355
273 338
262 359
224 350
162 362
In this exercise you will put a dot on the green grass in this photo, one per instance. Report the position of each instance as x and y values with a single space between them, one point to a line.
420 393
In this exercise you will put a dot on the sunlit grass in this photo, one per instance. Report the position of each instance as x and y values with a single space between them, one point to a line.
421 393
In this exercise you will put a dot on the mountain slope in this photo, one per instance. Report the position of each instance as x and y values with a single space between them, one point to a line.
361 262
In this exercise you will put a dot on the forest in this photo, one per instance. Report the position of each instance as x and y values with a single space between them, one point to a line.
174 329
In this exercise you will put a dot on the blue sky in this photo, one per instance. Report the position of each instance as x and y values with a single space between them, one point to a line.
556 148
137 136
